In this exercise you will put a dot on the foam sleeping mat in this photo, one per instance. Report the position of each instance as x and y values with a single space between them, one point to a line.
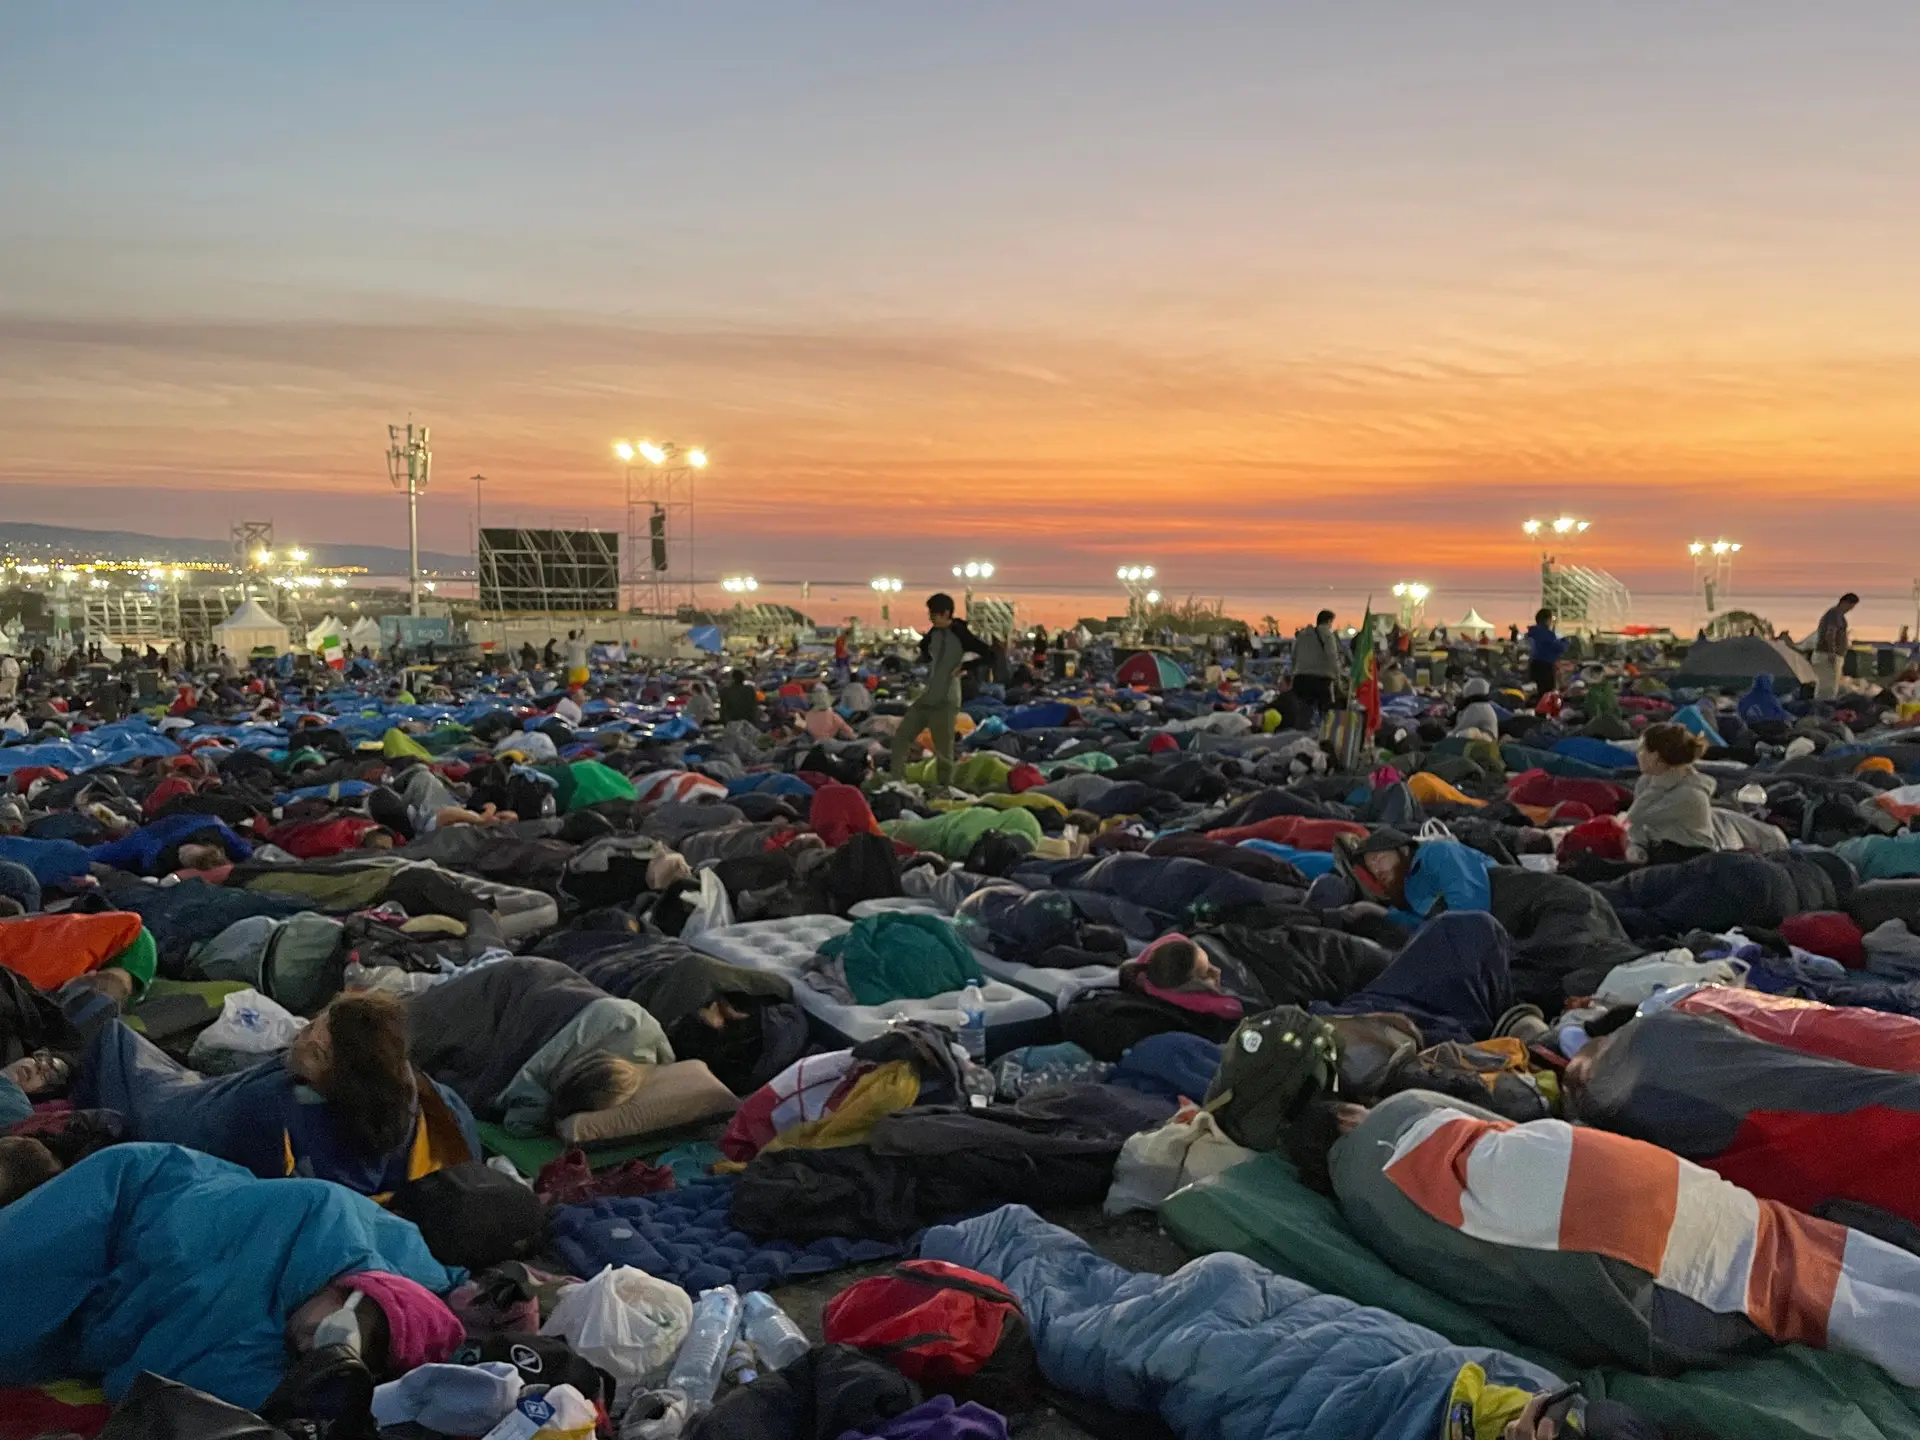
784 946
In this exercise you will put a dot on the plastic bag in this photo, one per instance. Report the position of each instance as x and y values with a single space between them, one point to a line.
251 1024
1640 979
711 911
623 1320
1155 1163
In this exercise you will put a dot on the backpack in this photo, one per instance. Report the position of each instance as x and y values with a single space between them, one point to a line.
1271 1066
472 1216
953 1330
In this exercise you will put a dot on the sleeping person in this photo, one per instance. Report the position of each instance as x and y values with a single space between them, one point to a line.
343 1103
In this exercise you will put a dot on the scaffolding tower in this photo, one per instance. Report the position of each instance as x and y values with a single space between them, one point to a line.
549 572
1584 599
660 532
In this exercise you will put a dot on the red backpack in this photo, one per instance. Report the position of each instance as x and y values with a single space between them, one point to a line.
953 1330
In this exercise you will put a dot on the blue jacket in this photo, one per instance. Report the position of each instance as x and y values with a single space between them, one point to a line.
1760 702
1543 645
1222 1346
258 1118
151 1257
1448 876
138 851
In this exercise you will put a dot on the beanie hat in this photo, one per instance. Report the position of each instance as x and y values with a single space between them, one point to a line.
420 1327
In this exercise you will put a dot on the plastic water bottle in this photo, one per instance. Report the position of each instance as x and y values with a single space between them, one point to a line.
703 1354
774 1337
973 1024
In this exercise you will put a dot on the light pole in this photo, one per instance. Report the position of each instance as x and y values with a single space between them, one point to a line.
971 571
410 466
1563 527
886 587
1713 570
1412 596
1138 580
660 518
739 584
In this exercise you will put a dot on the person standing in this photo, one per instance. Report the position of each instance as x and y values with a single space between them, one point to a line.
578 651
1544 649
1830 644
937 706
1317 662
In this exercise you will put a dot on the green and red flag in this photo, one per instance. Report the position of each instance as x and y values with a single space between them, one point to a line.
1366 672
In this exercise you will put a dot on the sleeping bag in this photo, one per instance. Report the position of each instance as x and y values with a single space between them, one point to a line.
153 1257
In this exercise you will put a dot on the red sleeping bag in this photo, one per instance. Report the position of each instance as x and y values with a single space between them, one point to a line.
1873 1038
1543 791
1303 832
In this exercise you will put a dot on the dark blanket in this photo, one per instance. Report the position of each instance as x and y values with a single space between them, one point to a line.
1566 937
1801 1129
1052 1148
1146 896
30 1021
674 982
1293 964
1716 892
1453 979
831 1390
474 1032
181 916
1108 1023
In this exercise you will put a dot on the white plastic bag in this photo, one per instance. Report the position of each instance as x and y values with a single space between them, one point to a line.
625 1321
712 911
1155 1163
251 1024
1640 979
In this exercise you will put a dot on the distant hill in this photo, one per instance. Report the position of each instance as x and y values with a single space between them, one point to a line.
131 545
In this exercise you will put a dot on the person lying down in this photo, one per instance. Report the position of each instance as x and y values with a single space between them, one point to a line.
1626 1253
156 1257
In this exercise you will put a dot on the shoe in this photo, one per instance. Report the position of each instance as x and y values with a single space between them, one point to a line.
1524 1023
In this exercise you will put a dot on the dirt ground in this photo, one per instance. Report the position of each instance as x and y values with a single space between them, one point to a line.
1134 1241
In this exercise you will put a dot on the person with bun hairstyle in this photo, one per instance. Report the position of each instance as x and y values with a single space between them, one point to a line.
1672 814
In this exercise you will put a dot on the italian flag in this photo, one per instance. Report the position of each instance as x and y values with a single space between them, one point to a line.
333 650
1366 672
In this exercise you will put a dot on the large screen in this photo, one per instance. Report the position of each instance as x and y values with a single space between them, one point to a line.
549 570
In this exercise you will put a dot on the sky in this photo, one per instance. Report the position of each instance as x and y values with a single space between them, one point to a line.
1274 297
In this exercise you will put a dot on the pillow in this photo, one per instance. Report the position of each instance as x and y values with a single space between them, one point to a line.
673 1095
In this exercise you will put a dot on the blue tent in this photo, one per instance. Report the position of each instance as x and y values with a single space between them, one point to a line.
707 638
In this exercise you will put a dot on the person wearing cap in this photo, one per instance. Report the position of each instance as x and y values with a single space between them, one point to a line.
1477 712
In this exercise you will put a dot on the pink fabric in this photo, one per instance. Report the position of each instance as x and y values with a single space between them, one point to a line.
421 1329
1200 1002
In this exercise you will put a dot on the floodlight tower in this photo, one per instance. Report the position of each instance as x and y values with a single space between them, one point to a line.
410 467
660 521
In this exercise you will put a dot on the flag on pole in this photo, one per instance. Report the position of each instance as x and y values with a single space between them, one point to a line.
1366 672
333 650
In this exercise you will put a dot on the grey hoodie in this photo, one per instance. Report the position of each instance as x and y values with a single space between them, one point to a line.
1675 805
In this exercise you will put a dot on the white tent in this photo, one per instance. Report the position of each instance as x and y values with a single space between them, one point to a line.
317 636
365 635
1474 624
249 628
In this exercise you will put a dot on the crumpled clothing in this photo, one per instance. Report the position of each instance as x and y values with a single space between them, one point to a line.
570 1180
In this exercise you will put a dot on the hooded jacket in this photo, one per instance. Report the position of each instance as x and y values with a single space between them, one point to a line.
1675 806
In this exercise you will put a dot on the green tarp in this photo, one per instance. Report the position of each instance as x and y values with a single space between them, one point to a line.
1262 1211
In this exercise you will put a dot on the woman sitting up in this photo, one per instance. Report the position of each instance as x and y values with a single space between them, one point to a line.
1671 819
820 722
342 1104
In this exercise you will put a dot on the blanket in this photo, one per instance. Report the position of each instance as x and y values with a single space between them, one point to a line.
1221 1347
151 1257
685 1236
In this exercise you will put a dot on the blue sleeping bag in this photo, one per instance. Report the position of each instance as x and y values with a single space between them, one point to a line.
138 851
1222 1347
151 1257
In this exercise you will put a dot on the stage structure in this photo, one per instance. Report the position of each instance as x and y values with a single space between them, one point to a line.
660 560
549 572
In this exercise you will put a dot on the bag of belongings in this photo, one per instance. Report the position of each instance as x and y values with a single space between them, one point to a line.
1271 1066
953 1330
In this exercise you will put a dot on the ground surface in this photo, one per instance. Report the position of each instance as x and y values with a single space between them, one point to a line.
1134 1241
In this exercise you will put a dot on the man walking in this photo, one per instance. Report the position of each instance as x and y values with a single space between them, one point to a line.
937 707
1317 662
1544 649
1830 644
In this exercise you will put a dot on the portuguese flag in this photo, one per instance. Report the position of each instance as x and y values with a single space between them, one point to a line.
1366 672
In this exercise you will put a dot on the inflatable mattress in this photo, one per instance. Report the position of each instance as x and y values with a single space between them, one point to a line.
784 946
1056 987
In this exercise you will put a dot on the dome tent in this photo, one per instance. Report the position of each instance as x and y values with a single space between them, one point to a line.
1148 670
1737 659
250 628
